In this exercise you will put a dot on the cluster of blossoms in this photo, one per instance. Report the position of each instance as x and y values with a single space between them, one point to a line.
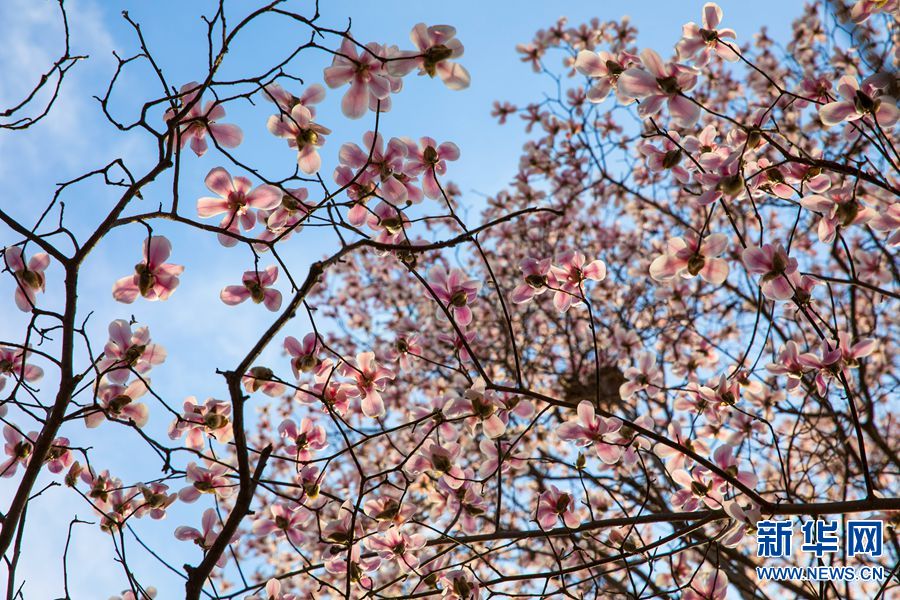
499 411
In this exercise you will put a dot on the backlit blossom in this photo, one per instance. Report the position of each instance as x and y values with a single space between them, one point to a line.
154 278
202 119
29 277
398 546
688 257
455 291
236 200
555 505
301 441
370 82
369 381
129 351
257 287
13 364
774 265
658 82
435 46
700 43
302 134
860 101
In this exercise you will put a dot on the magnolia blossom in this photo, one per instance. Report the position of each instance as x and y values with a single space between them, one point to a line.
537 279
286 101
205 538
455 291
398 546
153 279
840 209
304 356
661 82
236 200
211 418
699 43
554 505
860 101
774 265
18 449
370 380
429 159
256 286
272 591
480 406
459 585
441 460
589 429
646 374
202 119
568 276
888 220
689 256
604 69
435 46
12 364
211 480
301 133
711 586
117 402
300 442
370 82
129 351
669 158
30 278
284 521
356 567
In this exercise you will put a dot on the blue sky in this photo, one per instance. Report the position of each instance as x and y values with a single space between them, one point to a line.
75 139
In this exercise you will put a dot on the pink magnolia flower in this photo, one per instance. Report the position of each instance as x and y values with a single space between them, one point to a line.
201 119
744 520
870 266
272 591
156 499
604 69
770 178
499 454
698 487
839 209
256 286
302 134
675 458
210 480
370 381
205 538
706 149
661 82
235 200
842 356
370 82
287 215
726 182
404 350
153 278
118 402
18 450
209 419
646 374
430 160
389 510
30 278
711 586
860 101
286 101
454 291
389 222
569 275
688 257
554 505
666 159
888 220
284 521
300 442
398 546
441 460
358 567
537 279
502 110
459 585
700 43
382 165
304 356
774 265
12 364
726 459
589 429
480 406
129 351
789 364
435 45
262 379
863 9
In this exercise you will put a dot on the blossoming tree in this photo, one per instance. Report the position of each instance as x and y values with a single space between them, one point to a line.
680 319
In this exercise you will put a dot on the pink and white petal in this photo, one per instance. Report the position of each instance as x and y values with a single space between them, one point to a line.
210 207
356 100
219 182
226 135
234 294
715 271
125 290
454 75
272 300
